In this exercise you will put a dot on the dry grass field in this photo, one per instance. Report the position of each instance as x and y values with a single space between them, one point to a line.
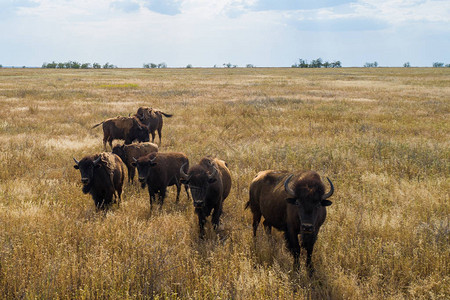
382 136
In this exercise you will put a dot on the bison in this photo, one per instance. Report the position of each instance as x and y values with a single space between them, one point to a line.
102 176
160 170
153 119
124 128
209 182
292 203
133 151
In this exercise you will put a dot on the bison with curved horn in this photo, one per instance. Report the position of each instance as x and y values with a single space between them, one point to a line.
123 128
158 171
102 176
153 118
292 203
209 183
129 154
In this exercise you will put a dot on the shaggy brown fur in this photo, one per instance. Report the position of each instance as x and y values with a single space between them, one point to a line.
123 128
153 119
158 171
297 210
102 176
210 183
128 153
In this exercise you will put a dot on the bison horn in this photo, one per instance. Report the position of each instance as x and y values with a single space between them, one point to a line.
76 161
184 175
97 160
328 195
153 159
287 188
134 159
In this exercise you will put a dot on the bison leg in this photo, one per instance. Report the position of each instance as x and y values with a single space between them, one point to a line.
162 195
110 143
153 136
201 222
109 196
267 227
186 188
151 194
293 246
131 172
215 219
159 135
178 184
119 194
308 241
256 220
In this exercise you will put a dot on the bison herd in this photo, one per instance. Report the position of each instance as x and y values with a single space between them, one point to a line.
294 203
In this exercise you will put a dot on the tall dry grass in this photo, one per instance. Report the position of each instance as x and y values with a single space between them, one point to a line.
382 136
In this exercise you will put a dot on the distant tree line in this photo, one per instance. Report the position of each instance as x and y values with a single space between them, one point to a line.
76 65
371 64
440 65
162 65
316 63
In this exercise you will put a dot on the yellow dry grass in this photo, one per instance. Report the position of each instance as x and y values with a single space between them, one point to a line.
381 134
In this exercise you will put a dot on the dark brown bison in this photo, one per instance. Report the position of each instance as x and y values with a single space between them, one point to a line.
293 203
102 176
160 170
153 119
210 184
128 153
124 128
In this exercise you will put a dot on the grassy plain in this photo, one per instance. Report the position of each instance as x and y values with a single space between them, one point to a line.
381 134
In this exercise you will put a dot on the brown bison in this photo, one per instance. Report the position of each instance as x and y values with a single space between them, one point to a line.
128 153
153 119
293 203
160 170
210 184
102 176
124 128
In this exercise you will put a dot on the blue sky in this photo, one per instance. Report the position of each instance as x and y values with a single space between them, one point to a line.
204 33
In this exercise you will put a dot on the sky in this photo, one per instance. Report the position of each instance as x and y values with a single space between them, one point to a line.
204 33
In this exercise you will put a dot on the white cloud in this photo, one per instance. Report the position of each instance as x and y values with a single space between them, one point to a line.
204 32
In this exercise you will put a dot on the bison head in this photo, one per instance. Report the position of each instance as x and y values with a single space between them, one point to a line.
119 150
144 165
86 167
198 179
309 197
142 133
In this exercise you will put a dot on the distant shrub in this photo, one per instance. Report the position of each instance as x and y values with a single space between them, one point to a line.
406 65
371 65
109 66
189 66
227 65
317 63
438 64
150 65
249 66
51 65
